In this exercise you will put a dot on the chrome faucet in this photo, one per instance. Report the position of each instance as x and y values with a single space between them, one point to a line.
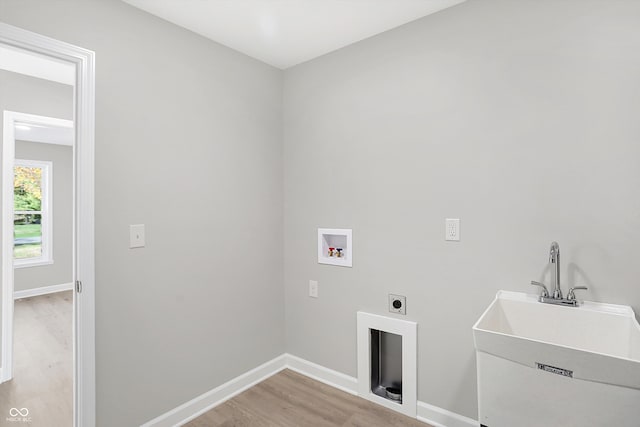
554 260
556 297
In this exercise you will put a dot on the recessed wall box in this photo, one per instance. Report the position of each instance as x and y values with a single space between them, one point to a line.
386 365
387 362
335 246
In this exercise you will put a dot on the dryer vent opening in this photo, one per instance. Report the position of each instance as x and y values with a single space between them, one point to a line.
386 365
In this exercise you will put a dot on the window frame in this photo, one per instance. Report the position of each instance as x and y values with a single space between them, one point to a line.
46 214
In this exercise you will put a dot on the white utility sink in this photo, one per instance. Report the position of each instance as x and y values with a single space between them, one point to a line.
549 365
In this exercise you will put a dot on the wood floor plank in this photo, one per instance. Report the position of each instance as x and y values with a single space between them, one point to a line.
289 399
43 365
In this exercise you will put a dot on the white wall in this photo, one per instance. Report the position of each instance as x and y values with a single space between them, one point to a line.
61 271
188 142
518 117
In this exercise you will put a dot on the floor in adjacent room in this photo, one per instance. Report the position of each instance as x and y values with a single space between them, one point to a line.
42 362
290 399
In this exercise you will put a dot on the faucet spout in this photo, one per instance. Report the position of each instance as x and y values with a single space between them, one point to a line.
554 260
556 296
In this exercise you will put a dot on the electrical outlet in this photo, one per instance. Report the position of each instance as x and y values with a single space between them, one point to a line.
313 289
397 304
452 229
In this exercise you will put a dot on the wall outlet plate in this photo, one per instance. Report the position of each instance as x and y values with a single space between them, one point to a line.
452 229
397 304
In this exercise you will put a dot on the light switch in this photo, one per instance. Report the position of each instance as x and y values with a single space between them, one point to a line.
136 236
313 289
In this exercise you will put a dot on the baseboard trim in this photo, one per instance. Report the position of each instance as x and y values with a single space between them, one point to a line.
201 404
317 372
430 414
186 412
439 417
44 290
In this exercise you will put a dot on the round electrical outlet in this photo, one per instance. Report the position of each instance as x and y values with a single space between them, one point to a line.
397 304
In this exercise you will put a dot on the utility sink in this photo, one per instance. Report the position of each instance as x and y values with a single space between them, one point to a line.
548 365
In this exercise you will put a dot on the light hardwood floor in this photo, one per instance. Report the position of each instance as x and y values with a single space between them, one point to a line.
289 399
42 372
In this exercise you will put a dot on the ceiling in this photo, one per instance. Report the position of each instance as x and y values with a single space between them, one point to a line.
35 65
284 33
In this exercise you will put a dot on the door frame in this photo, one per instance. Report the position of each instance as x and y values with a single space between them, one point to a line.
84 401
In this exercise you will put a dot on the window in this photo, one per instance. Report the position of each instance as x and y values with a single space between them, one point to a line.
31 213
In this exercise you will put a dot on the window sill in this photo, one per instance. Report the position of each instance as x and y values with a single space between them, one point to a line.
31 263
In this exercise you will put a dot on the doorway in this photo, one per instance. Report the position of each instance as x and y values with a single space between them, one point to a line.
38 373
59 55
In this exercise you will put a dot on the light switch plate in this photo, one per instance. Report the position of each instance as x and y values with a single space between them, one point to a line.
452 229
136 236
313 289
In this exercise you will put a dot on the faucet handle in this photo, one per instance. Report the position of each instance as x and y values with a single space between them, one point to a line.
571 296
545 291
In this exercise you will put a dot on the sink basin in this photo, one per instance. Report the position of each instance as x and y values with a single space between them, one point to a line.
547 365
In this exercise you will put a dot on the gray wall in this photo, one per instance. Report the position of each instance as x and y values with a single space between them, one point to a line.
61 271
188 142
518 117
26 94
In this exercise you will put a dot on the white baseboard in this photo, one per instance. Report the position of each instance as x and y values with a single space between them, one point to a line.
201 404
186 412
439 417
427 413
324 375
28 293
